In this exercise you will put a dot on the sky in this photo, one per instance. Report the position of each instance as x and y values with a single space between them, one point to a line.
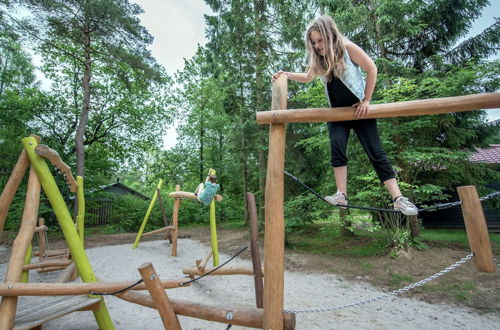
179 26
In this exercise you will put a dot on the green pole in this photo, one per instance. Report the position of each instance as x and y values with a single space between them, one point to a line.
25 277
80 218
68 228
213 228
148 212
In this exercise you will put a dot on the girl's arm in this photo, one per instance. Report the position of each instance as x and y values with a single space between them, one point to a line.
302 77
359 57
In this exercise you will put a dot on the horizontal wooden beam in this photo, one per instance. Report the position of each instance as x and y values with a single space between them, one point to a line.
159 231
220 271
397 109
10 289
247 317
189 195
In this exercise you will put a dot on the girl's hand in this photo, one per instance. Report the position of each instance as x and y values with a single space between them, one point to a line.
361 108
277 74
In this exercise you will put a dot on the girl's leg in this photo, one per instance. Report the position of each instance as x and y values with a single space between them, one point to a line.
340 174
393 187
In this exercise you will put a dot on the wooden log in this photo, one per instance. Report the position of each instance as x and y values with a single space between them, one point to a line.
44 151
67 225
388 110
189 195
245 317
39 229
203 262
146 217
42 241
53 253
67 275
11 289
159 231
477 231
175 221
19 247
11 186
254 250
160 297
51 269
220 271
48 263
168 234
274 239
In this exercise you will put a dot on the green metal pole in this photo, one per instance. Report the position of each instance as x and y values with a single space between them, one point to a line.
68 228
148 212
213 228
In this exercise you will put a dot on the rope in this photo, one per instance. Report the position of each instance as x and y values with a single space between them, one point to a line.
420 210
116 292
213 270
390 294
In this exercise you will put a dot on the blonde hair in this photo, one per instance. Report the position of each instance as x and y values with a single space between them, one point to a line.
333 42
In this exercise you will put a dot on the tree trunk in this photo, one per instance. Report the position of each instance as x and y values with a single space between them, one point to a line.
84 118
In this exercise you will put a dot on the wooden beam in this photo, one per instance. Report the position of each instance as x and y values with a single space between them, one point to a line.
11 289
44 151
189 195
48 263
158 231
202 264
246 317
11 186
274 240
175 221
254 250
397 109
160 297
477 231
19 247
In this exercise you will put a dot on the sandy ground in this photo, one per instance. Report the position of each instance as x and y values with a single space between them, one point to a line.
302 291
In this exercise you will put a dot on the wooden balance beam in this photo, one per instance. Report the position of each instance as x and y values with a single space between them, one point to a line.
158 231
221 271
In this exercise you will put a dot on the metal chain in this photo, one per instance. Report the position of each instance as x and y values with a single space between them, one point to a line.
387 295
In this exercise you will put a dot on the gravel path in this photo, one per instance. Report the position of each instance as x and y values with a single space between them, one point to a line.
302 291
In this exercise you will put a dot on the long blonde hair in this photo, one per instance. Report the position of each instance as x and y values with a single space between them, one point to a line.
333 42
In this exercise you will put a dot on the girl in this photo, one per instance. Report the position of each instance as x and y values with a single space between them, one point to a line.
337 61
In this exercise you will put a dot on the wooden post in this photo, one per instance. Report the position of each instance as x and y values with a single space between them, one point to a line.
146 217
202 264
175 222
20 247
477 231
11 187
274 238
160 298
42 242
67 226
254 249
168 234
80 218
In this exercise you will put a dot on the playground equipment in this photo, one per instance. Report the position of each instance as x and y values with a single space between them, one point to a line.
179 196
274 193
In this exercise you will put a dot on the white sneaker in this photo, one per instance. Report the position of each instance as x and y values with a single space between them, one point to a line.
405 206
338 199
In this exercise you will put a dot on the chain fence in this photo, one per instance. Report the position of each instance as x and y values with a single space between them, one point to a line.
387 295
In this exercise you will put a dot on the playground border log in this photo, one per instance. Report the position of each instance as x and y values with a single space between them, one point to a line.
220 271
11 289
387 110
246 317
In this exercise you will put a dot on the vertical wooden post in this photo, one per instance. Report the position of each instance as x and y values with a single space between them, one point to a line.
146 217
274 238
160 298
67 226
477 231
11 187
254 249
175 222
80 218
20 247
42 242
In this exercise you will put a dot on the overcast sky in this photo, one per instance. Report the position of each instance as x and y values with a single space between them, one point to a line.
179 26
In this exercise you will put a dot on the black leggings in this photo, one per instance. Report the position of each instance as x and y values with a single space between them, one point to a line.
367 132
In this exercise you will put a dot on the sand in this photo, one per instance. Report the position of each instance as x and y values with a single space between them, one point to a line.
302 291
